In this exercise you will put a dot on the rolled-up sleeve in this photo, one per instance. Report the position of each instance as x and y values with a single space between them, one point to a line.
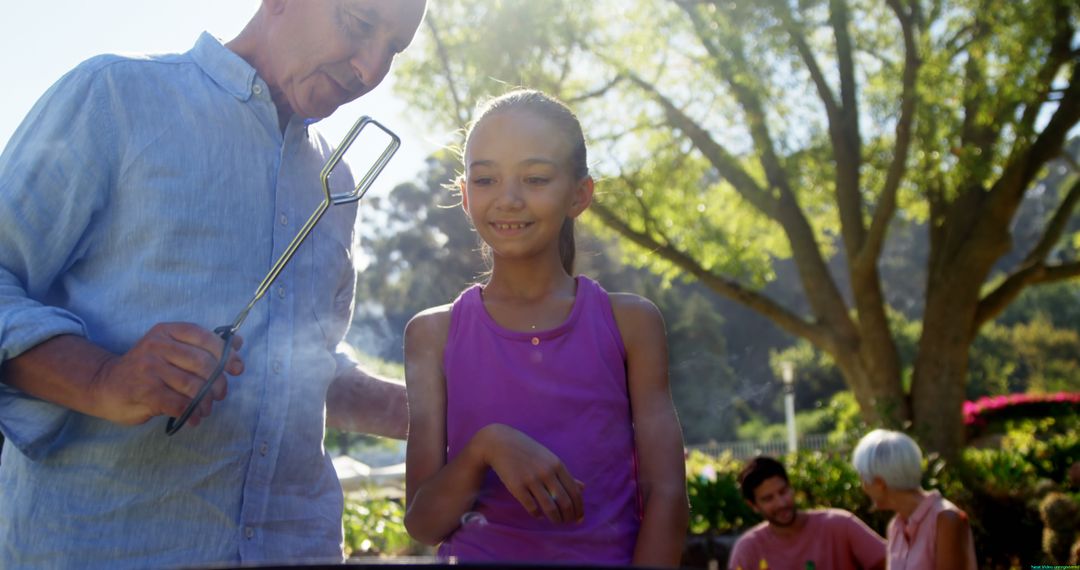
54 178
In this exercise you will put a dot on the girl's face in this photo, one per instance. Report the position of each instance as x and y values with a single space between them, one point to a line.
519 185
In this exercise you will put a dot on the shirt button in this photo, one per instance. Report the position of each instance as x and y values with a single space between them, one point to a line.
264 448
535 341
283 220
281 291
276 366
249 532
257 89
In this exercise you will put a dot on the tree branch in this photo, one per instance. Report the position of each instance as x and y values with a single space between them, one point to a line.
847 141
733 68
798 38
1026 160
824 296
763 305
1060 54
444 58
886 207
1056 227
598 92
974 131
1060 272
724 162
1008 290
1034 269
839 18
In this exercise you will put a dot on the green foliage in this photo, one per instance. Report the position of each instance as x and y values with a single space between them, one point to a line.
839 417
511 43
1001 473
815 373
1060 514
818 420
1027 356
1000 487
1049 445
716 504
827 479
1059 303
376 527
848 421
699 372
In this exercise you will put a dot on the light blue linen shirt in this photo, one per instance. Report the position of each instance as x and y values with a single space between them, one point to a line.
157 189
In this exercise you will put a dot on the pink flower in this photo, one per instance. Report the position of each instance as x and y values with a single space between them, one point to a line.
979 412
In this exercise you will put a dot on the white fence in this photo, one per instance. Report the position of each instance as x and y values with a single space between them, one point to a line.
748 449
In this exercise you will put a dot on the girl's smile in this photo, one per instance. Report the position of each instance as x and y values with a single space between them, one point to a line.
510 228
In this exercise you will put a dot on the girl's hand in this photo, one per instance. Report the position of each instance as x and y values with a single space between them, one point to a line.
533 474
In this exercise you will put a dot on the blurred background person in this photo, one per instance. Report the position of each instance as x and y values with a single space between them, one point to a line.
928 531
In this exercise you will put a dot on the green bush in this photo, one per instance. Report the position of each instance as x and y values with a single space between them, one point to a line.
1051 445
716 505
827 479
376 527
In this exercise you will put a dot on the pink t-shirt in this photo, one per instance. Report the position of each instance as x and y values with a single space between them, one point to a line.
913 541
832 539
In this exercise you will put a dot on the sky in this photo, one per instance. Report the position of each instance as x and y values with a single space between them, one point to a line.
40 41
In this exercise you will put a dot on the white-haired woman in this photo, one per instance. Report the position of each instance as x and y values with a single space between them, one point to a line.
928 531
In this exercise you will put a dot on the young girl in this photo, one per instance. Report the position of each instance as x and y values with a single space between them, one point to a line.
541 423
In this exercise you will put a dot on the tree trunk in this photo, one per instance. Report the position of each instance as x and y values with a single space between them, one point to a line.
959 266
875 382
937 385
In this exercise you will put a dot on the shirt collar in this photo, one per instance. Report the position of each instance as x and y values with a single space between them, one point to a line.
912 523
227 69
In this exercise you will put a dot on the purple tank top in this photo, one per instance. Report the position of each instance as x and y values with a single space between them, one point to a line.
565 388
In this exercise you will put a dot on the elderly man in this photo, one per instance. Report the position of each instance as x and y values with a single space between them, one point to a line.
141 202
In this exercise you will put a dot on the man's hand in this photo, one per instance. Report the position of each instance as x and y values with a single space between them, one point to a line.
159 375
162 373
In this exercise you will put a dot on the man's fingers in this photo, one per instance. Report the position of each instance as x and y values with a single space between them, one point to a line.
194 335
171 403
190 358
199 350
221 388
205 407
235 366
189 385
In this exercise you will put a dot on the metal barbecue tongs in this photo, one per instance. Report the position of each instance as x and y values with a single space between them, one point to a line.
226 332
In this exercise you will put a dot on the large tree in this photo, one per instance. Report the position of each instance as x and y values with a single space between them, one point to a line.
731 135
